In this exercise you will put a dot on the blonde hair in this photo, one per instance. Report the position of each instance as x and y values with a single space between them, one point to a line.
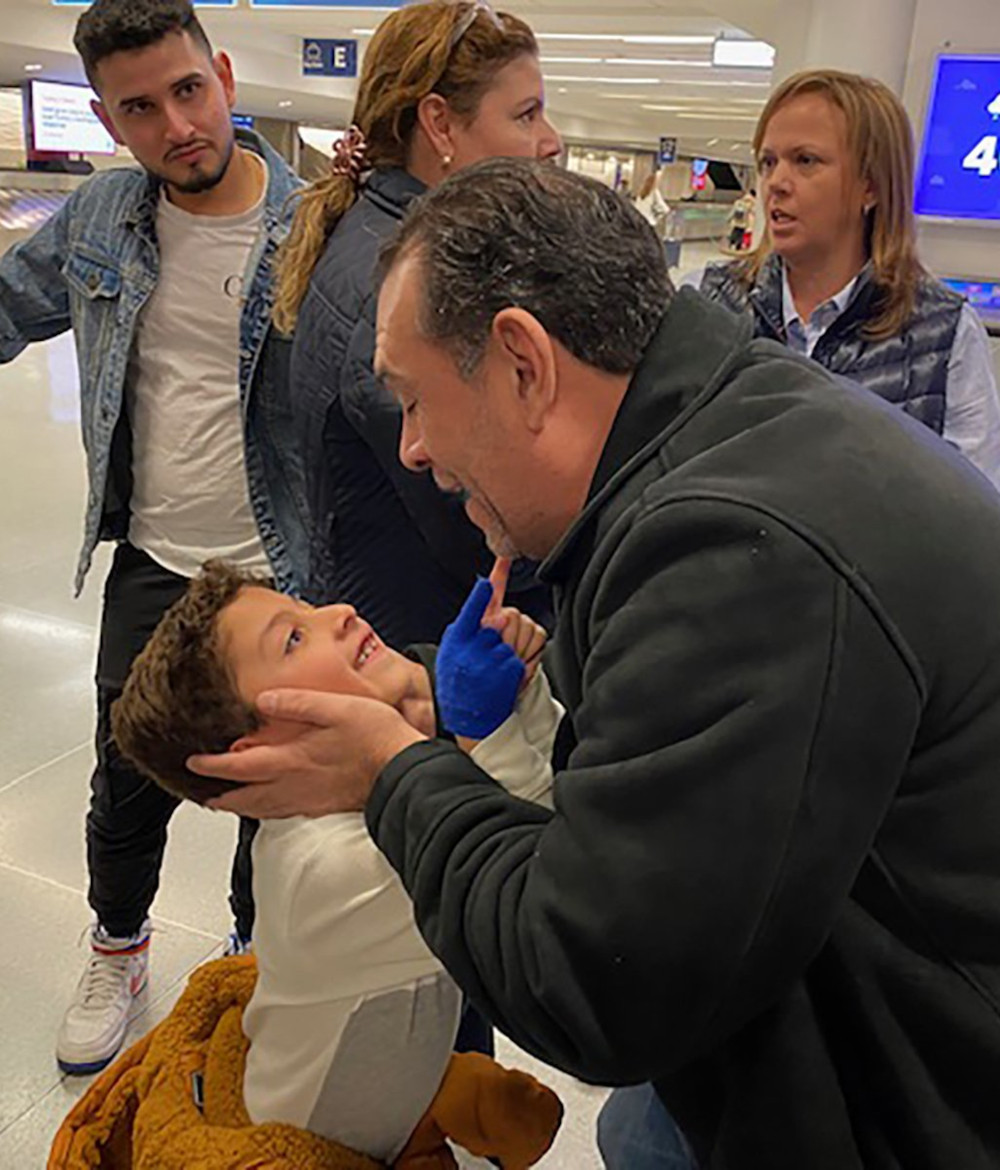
880 140
648 183
451 49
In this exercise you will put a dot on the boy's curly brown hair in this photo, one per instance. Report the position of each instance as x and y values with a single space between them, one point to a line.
180 697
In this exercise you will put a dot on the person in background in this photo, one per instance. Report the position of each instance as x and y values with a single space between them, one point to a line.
652 206
739 218
443 85
751 222
837 276
164 276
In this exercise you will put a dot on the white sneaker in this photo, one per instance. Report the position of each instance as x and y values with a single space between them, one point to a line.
95 1022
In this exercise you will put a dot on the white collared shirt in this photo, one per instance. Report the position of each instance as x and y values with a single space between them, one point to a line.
972 404
803 336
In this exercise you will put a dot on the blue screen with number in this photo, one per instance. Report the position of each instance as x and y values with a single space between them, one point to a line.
959 173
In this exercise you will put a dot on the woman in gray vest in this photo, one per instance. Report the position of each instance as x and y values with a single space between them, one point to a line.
836 275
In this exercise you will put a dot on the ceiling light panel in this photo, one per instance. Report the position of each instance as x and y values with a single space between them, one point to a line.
629 40
603 80
658 40
656 61
727 84
732 54
721 114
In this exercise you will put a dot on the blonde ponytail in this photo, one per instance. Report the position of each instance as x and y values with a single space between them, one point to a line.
320 208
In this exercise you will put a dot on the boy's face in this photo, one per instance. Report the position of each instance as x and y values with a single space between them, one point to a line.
270 640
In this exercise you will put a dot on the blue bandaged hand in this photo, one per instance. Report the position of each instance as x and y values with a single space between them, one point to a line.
478 674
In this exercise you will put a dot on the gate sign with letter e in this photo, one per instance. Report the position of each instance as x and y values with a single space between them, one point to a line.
323 58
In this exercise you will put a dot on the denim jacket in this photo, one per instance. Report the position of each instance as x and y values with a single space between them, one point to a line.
91 269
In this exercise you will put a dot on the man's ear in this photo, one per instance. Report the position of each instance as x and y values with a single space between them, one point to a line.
105 119
523 342
223 67
435 118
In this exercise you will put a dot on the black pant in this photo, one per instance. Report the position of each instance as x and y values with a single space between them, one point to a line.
127 821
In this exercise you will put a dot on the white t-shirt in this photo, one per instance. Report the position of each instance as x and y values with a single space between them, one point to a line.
190 499
353 1019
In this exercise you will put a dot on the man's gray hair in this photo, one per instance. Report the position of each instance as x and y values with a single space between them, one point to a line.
567 249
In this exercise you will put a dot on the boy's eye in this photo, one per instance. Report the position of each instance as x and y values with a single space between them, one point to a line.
294 639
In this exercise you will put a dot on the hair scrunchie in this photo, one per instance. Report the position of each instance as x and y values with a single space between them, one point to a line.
349 154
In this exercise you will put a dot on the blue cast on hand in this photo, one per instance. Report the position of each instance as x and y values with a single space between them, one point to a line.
478 675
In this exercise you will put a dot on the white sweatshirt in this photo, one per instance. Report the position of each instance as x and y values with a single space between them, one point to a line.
352 1022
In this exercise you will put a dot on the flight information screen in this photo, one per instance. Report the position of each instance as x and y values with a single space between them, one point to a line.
959 171
62 121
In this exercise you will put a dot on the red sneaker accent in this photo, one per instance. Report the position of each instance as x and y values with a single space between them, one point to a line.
134 949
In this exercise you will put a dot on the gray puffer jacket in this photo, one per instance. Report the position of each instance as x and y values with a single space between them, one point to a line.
909 370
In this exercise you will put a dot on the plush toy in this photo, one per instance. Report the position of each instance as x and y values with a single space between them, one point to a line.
174 1101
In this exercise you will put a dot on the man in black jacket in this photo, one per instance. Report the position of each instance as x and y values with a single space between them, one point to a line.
771 882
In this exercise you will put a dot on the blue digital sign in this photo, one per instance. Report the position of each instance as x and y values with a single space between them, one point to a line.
959 172
982 295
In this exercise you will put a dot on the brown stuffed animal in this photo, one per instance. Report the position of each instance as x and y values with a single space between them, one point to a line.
488 1110
140 1113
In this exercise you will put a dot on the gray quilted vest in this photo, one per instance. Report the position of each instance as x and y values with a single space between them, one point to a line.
909 370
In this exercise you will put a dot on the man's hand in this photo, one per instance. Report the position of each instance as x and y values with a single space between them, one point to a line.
331 767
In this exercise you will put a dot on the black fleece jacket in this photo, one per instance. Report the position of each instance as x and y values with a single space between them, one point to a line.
771 883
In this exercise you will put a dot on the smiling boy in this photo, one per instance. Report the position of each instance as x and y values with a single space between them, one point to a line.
353 1020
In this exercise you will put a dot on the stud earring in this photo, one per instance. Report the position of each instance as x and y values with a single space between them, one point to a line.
446 160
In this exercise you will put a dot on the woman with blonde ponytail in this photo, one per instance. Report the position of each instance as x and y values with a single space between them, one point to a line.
837 276
442 86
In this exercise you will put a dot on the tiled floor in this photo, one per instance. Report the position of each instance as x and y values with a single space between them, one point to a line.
47 648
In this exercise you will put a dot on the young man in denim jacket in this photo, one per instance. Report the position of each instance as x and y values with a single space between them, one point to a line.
165 279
